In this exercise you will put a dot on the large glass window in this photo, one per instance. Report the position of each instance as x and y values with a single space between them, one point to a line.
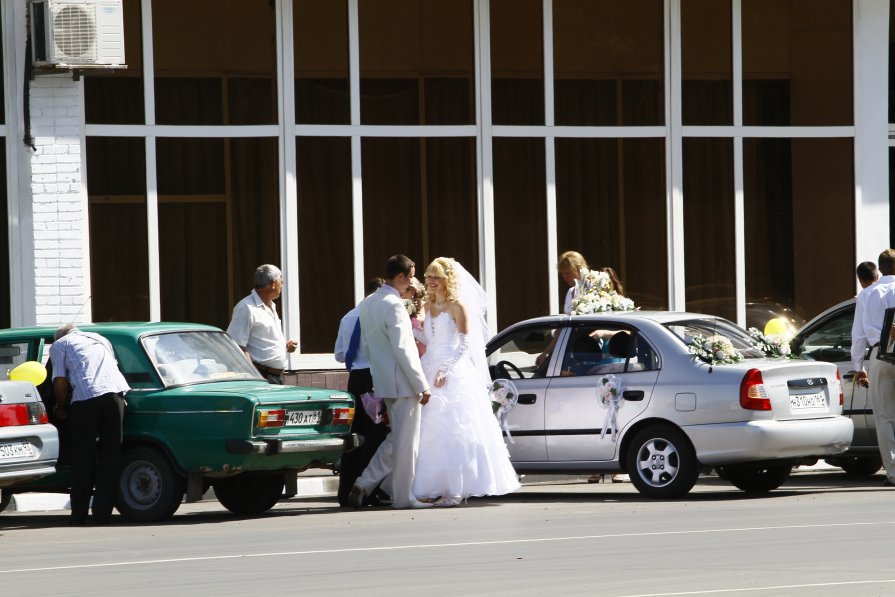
416 61
320 30
799 212
215 61
420 200
116 96
119 254
797 62
4 241
609 193
706 67
608 62
709 251
218 221
517 62
520 239
325 241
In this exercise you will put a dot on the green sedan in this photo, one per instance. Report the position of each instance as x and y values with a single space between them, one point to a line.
199 415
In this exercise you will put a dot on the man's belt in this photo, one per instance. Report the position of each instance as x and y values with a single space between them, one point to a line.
266 369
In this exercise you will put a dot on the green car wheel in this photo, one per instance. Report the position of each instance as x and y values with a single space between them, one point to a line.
149 490
247 494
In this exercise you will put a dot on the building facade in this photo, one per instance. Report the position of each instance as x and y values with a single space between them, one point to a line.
719 154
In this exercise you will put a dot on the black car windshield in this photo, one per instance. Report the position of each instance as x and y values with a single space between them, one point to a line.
689 329
196 356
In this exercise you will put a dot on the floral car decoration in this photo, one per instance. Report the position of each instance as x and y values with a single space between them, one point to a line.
504 395
610 395
772 345
596 295
715 350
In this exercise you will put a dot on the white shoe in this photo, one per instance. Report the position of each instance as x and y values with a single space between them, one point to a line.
448 501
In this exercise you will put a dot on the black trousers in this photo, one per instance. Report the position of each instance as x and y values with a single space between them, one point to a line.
354 462
95 427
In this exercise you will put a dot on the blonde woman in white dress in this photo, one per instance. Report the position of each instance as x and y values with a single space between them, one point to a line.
462 452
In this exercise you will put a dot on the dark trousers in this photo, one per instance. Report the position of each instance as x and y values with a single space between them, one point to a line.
95 427
354 462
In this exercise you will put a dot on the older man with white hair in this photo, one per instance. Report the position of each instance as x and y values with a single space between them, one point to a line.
256 328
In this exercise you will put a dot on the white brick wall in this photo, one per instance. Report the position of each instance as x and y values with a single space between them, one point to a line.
59 202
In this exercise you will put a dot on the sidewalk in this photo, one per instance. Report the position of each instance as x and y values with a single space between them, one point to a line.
311 483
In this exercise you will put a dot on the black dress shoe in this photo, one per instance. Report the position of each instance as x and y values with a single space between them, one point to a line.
356 497
76 522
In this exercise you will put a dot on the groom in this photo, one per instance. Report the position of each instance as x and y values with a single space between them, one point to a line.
398 377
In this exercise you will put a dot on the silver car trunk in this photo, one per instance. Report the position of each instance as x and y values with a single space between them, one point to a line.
801 390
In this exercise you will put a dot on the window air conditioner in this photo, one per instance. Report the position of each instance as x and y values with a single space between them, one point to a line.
76 34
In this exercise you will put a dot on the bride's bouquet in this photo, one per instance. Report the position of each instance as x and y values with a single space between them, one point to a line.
596 295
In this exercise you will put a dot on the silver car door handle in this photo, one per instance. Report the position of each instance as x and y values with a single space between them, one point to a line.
527 398
633 395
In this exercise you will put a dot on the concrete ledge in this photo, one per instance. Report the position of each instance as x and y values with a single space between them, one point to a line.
39 502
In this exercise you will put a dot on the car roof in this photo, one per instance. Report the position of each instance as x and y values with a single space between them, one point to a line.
827 312
660 317
134 329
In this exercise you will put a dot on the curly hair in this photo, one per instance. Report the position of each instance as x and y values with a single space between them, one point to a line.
443 267
419 294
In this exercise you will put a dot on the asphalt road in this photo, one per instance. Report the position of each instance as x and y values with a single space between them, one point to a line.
821 534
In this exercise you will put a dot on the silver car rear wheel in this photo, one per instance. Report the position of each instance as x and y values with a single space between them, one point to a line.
661 462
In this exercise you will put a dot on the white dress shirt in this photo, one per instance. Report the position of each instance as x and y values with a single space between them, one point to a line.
880 297
346 328
859 341
257 328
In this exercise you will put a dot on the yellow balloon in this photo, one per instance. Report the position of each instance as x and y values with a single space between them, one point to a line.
29 371
775 327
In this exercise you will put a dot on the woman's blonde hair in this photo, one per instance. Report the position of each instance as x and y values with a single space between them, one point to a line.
571 261
443 267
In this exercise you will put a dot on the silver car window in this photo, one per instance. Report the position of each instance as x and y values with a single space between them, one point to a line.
594 350
831 341
519 352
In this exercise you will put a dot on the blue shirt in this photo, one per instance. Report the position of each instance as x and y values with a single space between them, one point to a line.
346 328
87 361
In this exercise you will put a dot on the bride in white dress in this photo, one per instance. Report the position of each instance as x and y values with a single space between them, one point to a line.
461 451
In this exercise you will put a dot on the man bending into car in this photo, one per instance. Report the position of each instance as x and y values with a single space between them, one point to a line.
84 367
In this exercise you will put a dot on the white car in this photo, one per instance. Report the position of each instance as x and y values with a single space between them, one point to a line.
29 444
678 414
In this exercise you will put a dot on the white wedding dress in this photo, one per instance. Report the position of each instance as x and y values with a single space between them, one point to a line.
461 451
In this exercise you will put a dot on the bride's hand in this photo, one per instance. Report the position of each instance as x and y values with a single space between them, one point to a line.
440 379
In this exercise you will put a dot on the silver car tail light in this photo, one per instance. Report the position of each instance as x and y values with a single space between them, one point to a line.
753 394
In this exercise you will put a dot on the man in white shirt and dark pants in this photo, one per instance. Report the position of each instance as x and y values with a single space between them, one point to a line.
880 297
256 327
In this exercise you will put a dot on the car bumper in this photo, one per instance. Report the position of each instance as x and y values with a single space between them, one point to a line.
292 446
728 443
44 445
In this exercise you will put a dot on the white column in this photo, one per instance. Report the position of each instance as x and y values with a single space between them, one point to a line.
871 64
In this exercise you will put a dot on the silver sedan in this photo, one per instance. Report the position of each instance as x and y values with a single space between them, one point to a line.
673 413
29 444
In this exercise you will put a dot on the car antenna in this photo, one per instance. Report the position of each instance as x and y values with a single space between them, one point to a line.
81 309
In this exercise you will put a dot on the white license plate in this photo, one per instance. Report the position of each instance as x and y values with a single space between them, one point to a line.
807 401
16 450
304 417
